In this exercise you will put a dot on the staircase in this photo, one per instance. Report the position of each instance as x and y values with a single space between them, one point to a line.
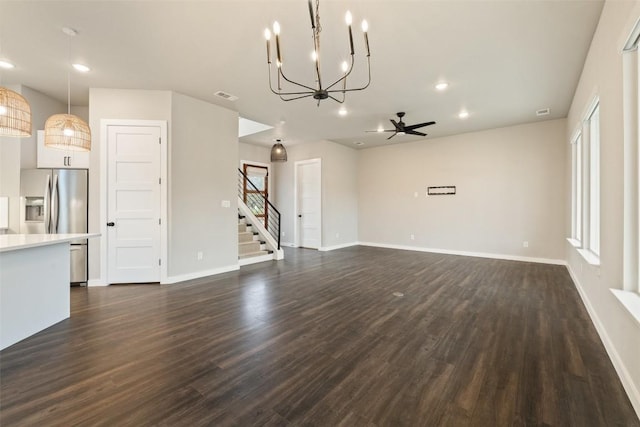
250 248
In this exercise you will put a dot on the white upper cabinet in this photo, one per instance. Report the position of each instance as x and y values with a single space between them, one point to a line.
60 159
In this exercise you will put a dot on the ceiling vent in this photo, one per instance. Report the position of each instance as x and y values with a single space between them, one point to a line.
225 95
542 112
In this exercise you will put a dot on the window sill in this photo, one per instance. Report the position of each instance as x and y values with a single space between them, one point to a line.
630 301
575 243
589 256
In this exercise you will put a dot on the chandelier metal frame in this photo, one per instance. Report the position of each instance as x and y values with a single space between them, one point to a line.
320 92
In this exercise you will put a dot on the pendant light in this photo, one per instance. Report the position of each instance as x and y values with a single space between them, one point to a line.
278 152
15 114
66 131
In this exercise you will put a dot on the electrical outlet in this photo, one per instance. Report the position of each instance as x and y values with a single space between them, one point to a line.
525 244
199 255
225 204
413 237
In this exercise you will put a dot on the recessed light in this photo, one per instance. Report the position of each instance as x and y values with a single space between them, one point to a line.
463 114
359 143
342 111
380 128
6 65
442 86
82 68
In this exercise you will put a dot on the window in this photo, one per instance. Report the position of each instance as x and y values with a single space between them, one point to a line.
594 180
576 190
585 185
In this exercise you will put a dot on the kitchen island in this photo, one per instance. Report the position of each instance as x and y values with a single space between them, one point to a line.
34 283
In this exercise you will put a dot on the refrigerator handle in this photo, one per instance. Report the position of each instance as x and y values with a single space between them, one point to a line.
55 205
47 205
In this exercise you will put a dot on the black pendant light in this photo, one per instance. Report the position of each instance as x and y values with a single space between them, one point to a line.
278 152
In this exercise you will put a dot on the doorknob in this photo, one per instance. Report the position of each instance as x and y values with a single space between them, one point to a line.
299 215
111 224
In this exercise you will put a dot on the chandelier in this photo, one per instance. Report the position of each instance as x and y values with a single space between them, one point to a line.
318 91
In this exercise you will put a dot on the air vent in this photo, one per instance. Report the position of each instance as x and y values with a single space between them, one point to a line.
225 95
542 112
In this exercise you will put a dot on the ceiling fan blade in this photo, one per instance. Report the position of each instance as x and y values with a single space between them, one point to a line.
419 125
414 132
392 135
396 125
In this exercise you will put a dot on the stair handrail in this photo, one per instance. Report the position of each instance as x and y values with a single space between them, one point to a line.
271 224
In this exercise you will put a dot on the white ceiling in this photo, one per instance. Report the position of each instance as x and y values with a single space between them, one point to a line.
503 59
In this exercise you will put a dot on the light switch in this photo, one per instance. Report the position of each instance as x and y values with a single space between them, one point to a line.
226 204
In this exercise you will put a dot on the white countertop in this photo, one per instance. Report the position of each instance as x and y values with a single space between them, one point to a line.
12 242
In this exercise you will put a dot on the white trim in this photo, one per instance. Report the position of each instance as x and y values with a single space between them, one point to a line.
340 246
199 274
164 251
589 256
630 41
296 233
467 253
255 259
265 165
96 282
630 301
627 382
575 243
288 245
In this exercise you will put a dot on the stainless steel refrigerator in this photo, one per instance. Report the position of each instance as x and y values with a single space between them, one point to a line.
55 201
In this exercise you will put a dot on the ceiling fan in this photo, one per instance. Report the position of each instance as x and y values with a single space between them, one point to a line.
402 129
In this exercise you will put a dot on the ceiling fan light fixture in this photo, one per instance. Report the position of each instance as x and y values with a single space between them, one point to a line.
15 114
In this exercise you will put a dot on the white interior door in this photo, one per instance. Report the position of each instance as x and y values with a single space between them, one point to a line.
309 197
133 204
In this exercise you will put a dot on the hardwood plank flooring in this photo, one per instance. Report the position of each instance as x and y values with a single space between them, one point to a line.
319 339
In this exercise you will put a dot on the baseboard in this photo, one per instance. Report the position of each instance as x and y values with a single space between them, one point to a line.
199 274
340 246
288 245
256 259
466 253
627 383
96 282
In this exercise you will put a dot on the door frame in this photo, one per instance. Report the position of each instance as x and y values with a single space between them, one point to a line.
296 223
264 165
164 148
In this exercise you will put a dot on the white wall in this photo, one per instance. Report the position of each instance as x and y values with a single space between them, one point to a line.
253 153
115 104
202 173
507 192
602 76
339 191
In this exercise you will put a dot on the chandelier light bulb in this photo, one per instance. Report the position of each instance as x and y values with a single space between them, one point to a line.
365 26
3 110
67 132
348 18
345 66
314 55
276 28
267 34
342 111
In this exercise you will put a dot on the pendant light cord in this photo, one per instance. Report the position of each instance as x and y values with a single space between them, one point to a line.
68 75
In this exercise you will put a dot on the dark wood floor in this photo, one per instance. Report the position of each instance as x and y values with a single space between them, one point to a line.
320 339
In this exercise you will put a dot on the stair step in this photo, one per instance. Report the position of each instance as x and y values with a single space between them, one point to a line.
253 254
248 247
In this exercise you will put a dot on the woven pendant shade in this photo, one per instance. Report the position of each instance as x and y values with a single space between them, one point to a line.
67 132
15 114
278 153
